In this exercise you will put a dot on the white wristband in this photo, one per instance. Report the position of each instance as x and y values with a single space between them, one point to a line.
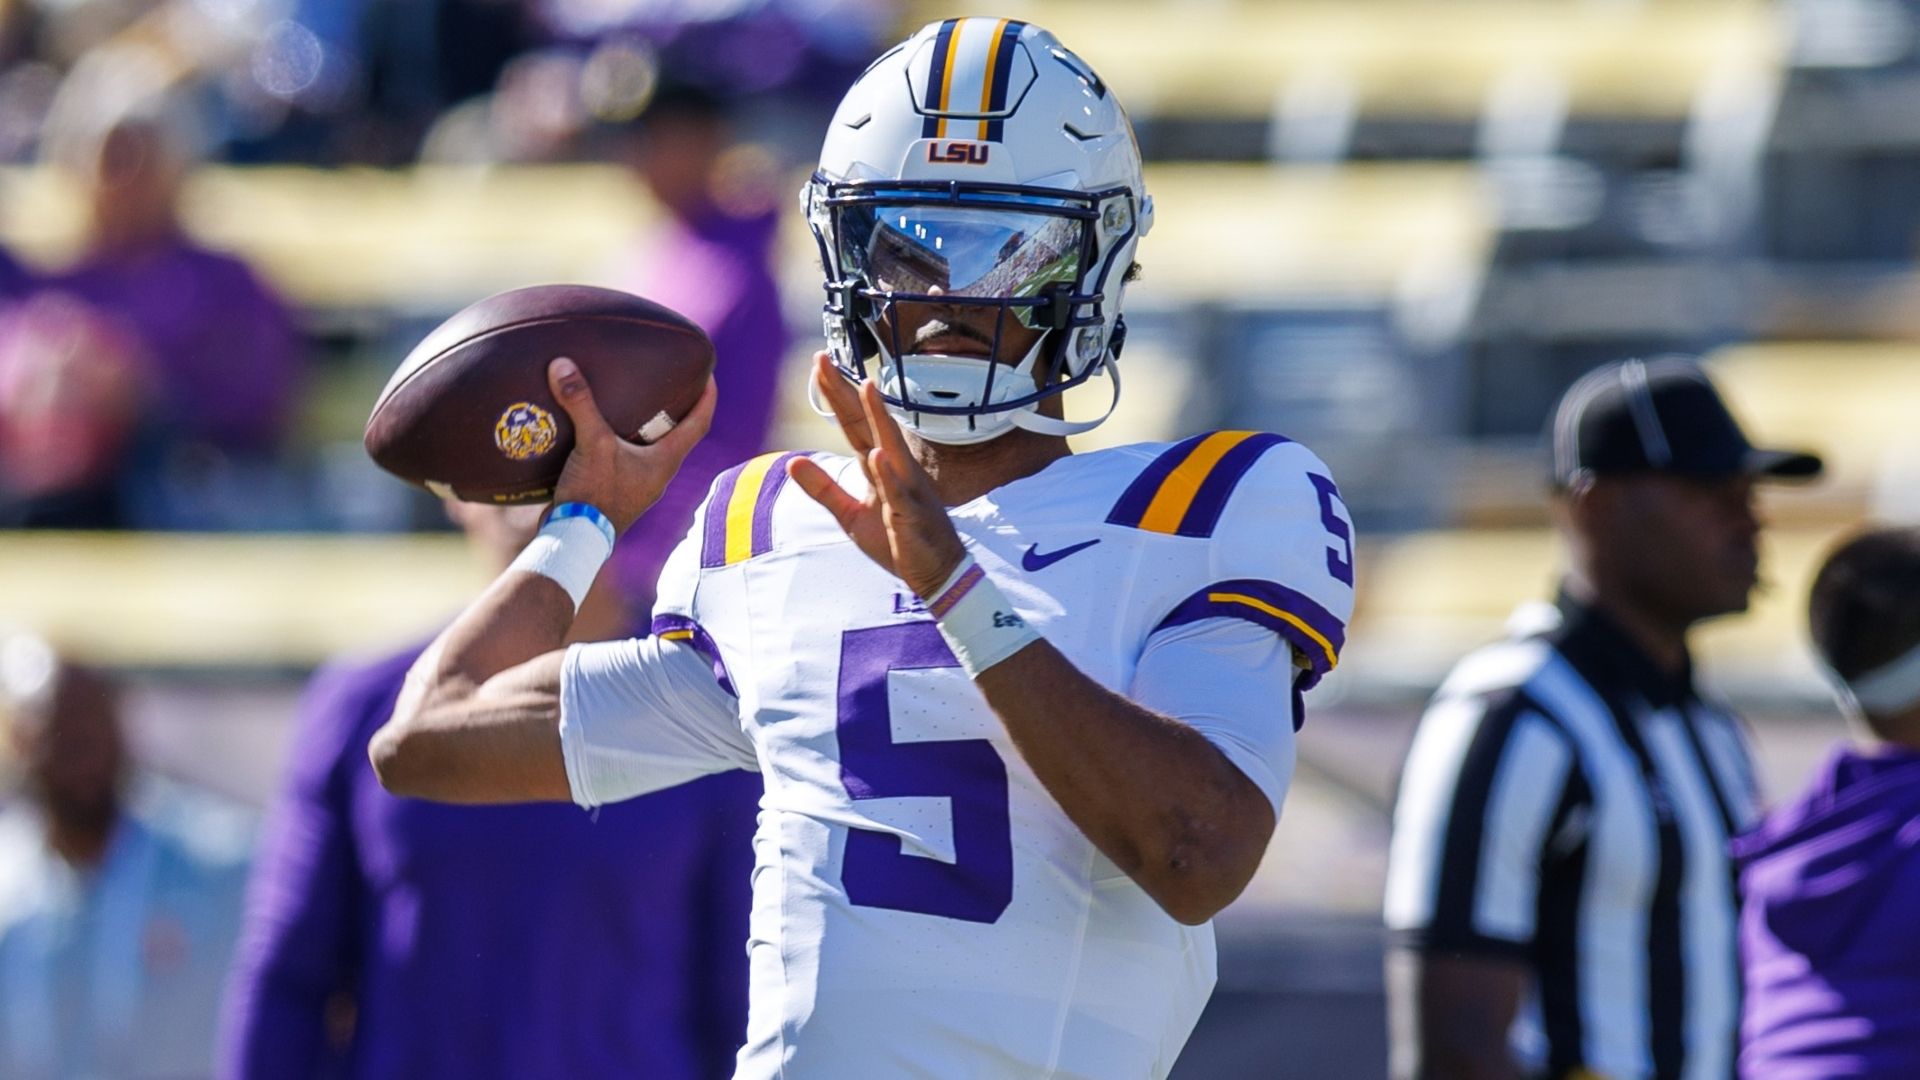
570 548
980 626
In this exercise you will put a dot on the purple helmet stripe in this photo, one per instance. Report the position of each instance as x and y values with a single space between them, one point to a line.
1002 75
942 44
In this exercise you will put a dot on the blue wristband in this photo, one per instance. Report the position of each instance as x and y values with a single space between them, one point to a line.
584 510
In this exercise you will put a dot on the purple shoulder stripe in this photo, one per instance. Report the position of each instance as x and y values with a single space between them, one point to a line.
762 541
713 539
1139 494
681 628
1211 500
1294 616
720 533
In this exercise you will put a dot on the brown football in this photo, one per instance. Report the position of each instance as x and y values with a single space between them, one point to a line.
468 414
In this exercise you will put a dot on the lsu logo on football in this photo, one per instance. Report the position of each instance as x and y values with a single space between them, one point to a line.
958 153
525 431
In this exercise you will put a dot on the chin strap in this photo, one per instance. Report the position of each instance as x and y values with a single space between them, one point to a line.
1029 420
820 408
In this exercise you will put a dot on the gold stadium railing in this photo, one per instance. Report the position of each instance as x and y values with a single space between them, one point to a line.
168 600
176 601
434 238
1431 58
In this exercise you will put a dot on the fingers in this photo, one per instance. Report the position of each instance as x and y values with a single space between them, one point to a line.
820 487
891 467
845 403
889 440
886 433
693 427
570 388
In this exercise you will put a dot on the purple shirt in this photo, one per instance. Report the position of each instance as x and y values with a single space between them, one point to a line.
518 942
1830 926
226 353
718 271
15 280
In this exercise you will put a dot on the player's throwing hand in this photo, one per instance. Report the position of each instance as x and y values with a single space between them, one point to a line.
620 478
901 524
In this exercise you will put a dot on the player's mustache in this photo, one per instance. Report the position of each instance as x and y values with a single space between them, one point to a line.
934 328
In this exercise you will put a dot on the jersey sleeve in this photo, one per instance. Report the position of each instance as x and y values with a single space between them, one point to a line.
637 716
1281 550
1232 681
644 714
680 574
1487 797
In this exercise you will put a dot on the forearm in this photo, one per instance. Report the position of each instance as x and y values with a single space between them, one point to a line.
1151 793
520 616
1457 1063
478 720
1448 1016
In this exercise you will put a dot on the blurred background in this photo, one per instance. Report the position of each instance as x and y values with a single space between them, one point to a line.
1392 229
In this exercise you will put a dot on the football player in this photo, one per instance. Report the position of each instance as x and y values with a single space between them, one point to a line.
1025 717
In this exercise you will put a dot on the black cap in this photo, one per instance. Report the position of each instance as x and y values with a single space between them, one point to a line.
1659 415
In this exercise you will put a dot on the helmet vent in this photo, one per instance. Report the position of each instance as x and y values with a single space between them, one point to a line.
860 122
1078 134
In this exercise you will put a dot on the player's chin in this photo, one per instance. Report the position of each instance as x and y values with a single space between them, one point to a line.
1734 594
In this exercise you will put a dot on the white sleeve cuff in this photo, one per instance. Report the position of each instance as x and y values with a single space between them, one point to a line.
1232 681
644 714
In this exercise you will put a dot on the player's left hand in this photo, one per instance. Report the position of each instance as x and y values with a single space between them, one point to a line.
901 524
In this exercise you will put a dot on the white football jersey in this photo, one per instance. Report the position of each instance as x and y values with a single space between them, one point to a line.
922 905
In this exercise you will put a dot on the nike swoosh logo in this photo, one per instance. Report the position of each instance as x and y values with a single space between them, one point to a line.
1032 559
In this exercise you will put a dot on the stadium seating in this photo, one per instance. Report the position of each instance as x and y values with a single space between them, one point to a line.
1411 57
270 602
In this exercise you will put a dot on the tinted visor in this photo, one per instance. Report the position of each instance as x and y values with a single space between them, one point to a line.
1019 251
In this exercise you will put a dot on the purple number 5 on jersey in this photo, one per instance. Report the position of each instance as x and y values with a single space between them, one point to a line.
978 885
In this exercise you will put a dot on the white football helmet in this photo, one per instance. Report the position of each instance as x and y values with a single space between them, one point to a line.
978 164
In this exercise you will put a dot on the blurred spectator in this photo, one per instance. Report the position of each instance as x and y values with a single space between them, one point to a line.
227 354
809 48
114 929
15 279
418 60
226 359
712 260
73 390
589 946
1558 885
1831 881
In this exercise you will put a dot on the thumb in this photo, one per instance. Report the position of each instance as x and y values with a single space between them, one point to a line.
569 386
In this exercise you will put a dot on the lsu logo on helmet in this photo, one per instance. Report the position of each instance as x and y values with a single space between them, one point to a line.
958 153
525 431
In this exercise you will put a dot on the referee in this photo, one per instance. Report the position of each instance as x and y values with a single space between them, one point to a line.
1558 890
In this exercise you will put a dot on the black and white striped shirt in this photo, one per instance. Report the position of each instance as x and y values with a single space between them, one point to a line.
1567 804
